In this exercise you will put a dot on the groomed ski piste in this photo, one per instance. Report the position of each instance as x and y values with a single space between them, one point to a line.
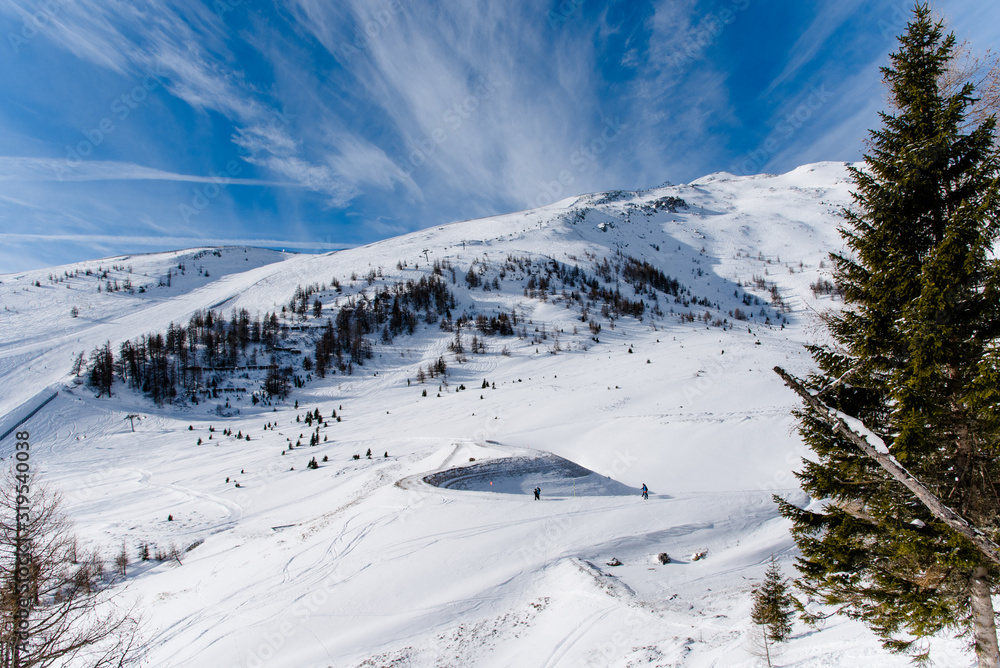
433 551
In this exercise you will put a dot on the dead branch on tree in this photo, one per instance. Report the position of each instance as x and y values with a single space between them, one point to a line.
837 422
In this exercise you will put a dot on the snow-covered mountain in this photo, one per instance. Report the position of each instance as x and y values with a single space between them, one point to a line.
433 552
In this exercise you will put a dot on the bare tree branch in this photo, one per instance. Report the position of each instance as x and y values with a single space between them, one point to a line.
982 71
71 616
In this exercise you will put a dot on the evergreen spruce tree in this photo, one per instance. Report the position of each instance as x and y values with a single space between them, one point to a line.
772 608
772 605
915 360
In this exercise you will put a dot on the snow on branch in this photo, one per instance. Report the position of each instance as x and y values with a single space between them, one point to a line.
857 433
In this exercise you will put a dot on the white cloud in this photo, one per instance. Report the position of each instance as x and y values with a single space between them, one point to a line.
812 41
315 177
363 163
168 241
184 46
15 168
477 100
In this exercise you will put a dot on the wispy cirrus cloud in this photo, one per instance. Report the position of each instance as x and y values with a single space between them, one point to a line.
171 241
186 44
455 116
814 40
17 168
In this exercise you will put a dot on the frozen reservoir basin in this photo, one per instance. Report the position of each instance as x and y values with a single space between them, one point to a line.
521 473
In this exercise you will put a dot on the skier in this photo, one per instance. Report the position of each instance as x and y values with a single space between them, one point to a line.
538 493
645 491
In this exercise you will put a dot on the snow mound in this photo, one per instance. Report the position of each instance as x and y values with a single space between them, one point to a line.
521 474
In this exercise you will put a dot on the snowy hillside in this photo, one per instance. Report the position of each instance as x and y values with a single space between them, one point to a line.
433 552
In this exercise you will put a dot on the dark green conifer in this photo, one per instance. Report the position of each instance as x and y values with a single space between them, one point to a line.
772 608
916 359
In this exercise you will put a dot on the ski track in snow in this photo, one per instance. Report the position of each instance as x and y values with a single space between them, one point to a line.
234 510
566 643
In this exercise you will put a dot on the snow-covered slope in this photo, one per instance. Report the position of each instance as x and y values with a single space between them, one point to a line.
420 556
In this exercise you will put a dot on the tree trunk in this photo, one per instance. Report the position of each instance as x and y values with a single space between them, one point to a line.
983 620
18 635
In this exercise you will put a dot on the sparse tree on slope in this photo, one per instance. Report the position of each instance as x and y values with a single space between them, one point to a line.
772 609
915 364
78 365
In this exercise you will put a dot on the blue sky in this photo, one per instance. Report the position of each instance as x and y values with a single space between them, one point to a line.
132 126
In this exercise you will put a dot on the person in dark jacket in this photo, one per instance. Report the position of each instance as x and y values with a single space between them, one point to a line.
538 493
645 491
